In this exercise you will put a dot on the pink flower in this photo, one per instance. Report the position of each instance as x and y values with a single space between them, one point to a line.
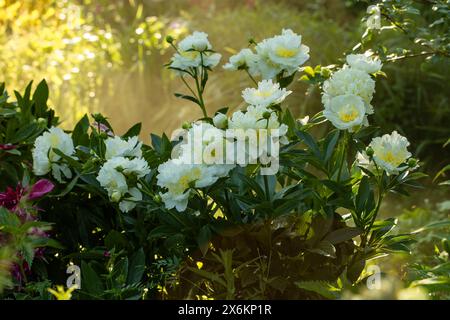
7 146
40 188
11 198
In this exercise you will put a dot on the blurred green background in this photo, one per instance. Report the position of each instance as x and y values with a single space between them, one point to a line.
108 56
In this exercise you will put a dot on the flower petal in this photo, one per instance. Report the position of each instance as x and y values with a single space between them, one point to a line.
40 188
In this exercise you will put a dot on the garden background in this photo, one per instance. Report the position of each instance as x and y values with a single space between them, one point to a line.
108 56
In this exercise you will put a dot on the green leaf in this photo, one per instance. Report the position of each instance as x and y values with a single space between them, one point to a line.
325 248
209 275
90 281
26 133
27 251
323 288
116 240
71 161
441 172
79 134
186 97
203 239
309 141
68 188
133 131
136 268
434 225
331 144
8 218
342 235
119 273
156 142
40 98
381 228
363 194
7 113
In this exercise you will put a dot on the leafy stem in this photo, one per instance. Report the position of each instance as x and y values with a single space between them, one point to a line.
251 77
344 143
200 90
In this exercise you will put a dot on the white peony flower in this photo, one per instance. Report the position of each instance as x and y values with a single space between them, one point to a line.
112 179
389 152
266 94
345 112
220 120
45 159
254 127
178 178
197 41
114 173
364 62
244 59
116 146
129 202
137 166
203 144
253 118
349 81
284 52
193 52
193 59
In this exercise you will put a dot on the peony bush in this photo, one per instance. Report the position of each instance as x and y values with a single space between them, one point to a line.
249 204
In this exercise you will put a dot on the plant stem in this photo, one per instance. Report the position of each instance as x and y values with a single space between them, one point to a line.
200 95
343 155
251 77
189 87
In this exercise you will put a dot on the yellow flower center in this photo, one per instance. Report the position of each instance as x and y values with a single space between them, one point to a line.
348 115
389 157
285 52
54 140
185 180
264 93
189 54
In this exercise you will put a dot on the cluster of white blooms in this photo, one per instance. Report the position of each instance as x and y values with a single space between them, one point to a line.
364 62
211 151
178 177
244 59
116 147
348 89
45 159
266 94
198 163
194 51
123 167
390 151
282 54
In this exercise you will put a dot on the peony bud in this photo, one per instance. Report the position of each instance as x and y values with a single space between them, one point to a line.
369 152
169 39
157 198
220 121
266 115
42 122
412 163
115 196
186 125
